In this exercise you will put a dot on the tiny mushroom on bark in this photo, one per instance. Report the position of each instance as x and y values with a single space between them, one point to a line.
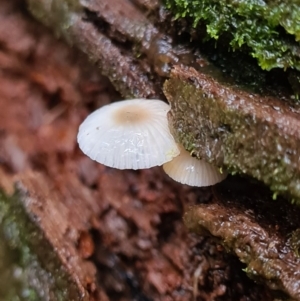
129 134
192 171
134 134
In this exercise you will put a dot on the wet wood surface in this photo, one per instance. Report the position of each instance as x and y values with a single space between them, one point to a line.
112 235
137 49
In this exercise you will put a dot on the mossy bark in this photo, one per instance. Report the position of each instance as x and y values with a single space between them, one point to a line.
39 268
231 128
41 275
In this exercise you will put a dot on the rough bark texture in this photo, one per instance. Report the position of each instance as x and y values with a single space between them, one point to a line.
76 230
246 132
48 262
264 234
82 24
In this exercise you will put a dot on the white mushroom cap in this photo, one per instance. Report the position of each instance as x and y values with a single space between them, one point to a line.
129 134
191 171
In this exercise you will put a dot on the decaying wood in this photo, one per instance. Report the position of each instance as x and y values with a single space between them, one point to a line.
115 235
80 24
82 231
137 56
48 230
264 235
250 134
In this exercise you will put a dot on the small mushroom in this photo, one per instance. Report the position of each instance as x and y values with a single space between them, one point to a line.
191 171
129 134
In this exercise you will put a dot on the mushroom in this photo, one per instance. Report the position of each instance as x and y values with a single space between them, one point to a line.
134 134
192 171
129 134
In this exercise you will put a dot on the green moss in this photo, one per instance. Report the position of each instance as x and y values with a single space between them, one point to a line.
14 284
269 31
